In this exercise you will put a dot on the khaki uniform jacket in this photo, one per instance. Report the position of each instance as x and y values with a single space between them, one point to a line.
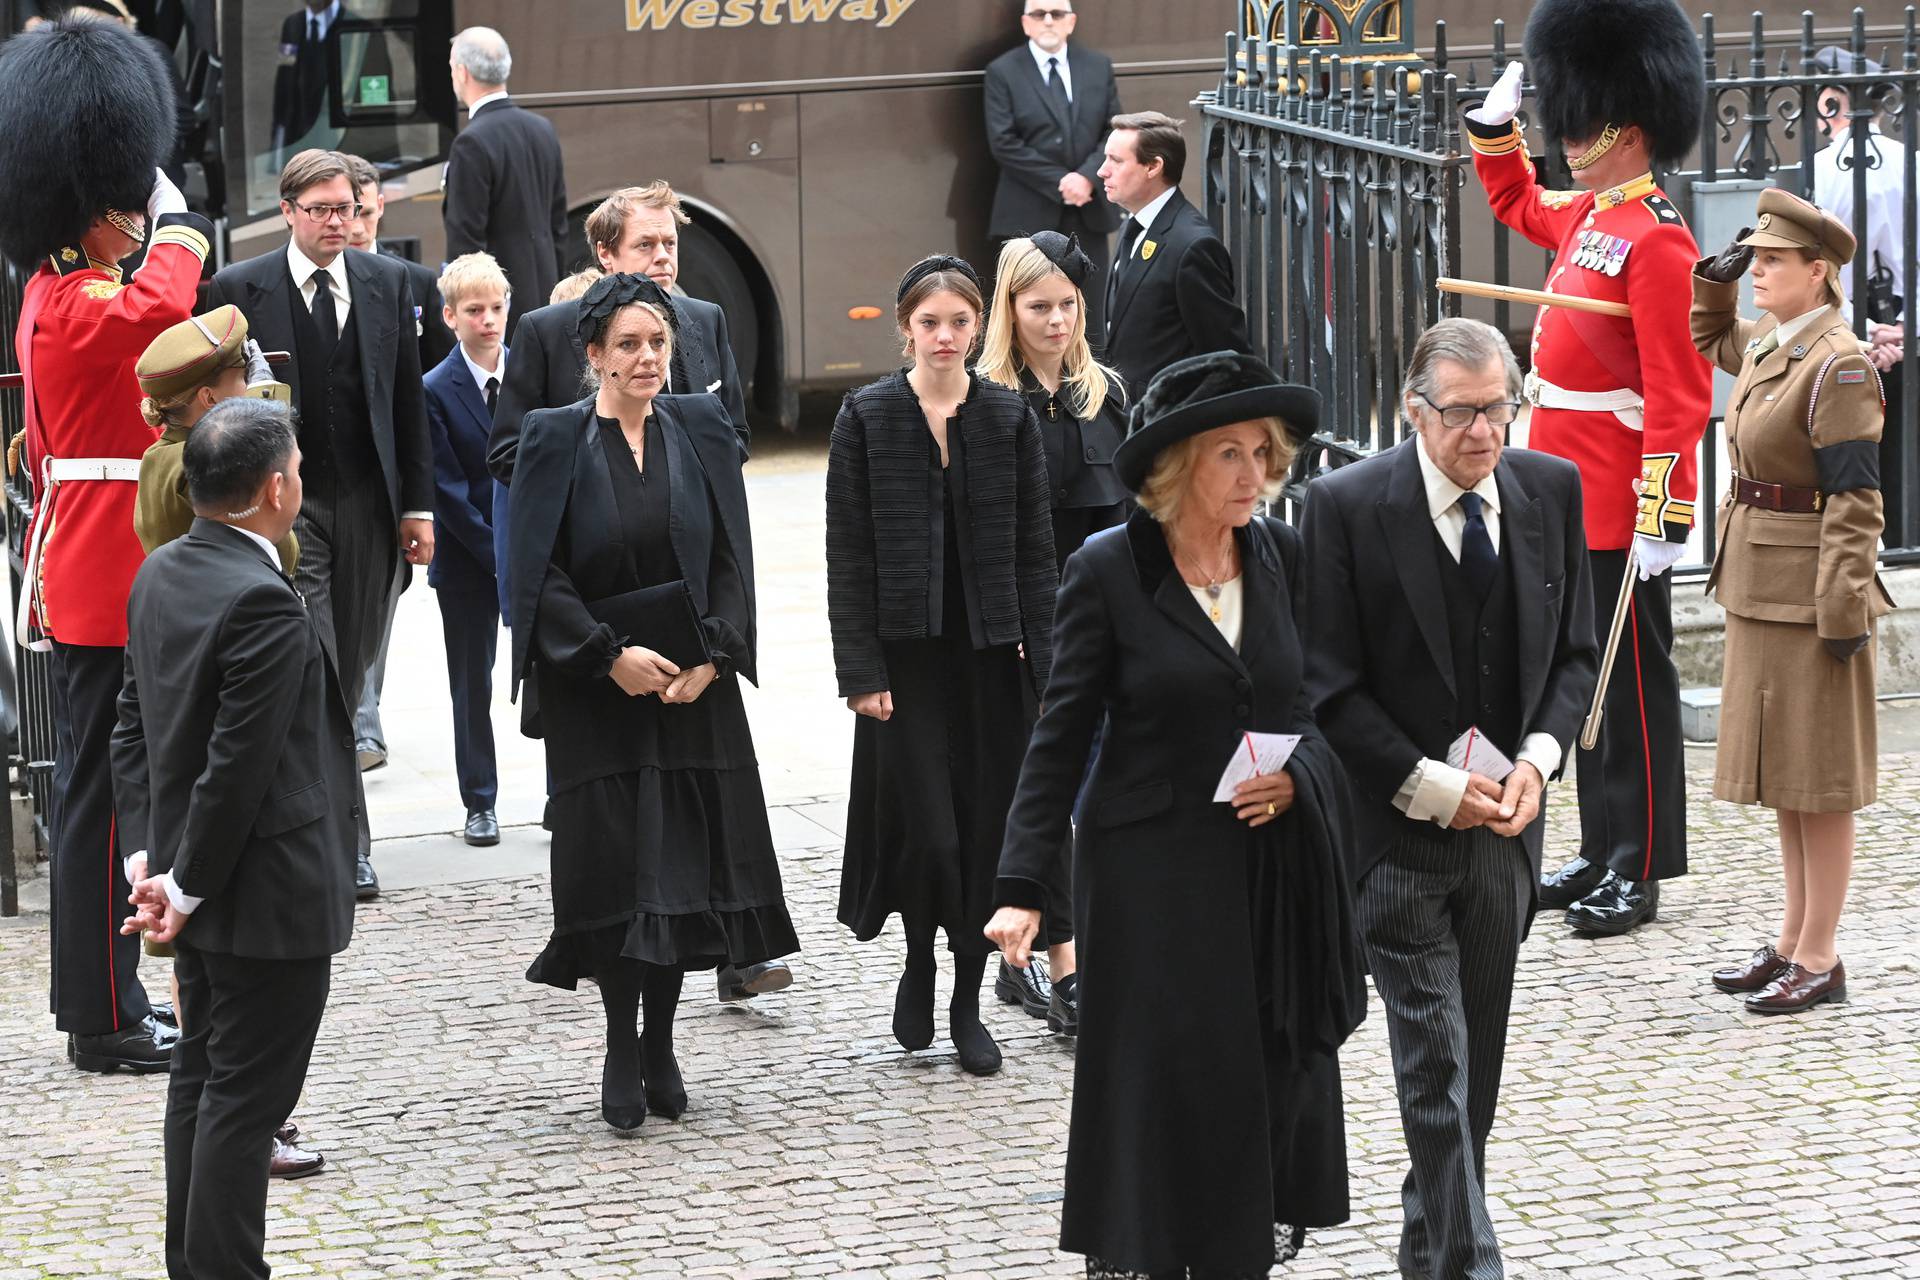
1777 566
161 511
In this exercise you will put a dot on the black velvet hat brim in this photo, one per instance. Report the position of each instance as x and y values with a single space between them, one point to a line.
1298 407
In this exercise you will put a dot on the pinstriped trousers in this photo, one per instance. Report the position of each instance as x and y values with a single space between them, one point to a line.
1442 925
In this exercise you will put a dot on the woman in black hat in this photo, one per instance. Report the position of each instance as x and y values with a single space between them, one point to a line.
1219 969
1037 343
633 617
940 584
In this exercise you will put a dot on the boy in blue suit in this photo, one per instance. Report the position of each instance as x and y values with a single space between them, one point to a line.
460 393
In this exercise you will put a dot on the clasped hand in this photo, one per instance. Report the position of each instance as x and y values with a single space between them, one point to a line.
154 913
1505 811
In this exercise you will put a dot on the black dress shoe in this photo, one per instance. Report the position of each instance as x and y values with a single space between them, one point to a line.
622 1105
366 885
144 1047
163 1012
1030 988
483 828
1618 906
1063 1010
1573 881
733 985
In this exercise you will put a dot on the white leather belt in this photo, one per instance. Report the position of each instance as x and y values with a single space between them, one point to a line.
55 472
1539 391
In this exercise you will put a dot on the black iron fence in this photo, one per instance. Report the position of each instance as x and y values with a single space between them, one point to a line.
1340 181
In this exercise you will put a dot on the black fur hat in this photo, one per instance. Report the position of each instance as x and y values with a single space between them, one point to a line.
1203 392
1601 62
86 116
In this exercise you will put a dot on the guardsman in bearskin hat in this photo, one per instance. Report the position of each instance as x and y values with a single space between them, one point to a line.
86 117
1621 85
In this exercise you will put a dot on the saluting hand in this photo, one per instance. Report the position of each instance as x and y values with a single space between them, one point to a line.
1519 802
1731 262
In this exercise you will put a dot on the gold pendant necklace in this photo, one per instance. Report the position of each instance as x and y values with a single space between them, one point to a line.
1214 587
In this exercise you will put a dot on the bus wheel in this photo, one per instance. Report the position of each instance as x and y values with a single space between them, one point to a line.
708 272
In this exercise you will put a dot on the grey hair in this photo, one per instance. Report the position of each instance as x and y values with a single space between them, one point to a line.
1471 344
483 52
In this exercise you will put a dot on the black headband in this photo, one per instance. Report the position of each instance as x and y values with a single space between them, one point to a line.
928 266
1065 253
621 289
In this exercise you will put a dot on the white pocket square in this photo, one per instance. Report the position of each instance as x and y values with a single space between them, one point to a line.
713 386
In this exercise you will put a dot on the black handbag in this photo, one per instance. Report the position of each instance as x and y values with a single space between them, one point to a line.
661 618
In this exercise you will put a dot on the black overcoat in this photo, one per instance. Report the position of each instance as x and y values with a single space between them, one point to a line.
506 194
1193 1130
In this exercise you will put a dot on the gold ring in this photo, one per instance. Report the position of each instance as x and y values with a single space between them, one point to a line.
1270 809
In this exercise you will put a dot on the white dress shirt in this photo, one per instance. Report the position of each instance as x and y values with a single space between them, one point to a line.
1434 790
1886 195
1146 216
1042 57
482 376
306 272
498 95
325 19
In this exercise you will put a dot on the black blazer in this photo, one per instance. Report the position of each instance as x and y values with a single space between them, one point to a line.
382 315
1176 302
233 759
562 488
506 194
463 549
1383 689
436 340
880 560
547 366
1035 147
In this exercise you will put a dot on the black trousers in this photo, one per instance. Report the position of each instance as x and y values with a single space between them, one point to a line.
237 1073
1442 928
470 622
96 987
1633 785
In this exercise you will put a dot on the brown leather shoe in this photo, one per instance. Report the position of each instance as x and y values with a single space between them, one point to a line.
1760 968
290 1161
288 1133
1795 989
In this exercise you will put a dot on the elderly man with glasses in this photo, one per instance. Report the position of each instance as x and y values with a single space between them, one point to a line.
351 322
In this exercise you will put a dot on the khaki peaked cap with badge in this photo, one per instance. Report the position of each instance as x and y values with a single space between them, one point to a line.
1797 563
184 358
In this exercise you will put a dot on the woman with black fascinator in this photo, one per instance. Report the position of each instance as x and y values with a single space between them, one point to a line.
633 619
940 585
1037 344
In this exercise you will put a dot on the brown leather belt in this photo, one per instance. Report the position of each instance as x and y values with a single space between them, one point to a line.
1777 497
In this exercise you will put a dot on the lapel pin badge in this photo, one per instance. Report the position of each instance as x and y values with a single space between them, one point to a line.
1146 251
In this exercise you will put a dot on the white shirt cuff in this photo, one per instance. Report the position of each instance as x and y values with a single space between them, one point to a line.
184 903
416 515
1542 752
1432 792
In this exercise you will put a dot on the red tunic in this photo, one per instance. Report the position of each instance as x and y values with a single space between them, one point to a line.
1628 244
80 332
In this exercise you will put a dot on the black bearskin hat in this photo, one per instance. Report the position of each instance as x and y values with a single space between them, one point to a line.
86 116
1601 62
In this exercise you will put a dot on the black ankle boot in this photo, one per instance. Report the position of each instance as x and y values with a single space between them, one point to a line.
913 1005
979 1055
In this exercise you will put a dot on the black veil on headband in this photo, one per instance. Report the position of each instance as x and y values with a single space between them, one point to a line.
621 289
928 266
1065 253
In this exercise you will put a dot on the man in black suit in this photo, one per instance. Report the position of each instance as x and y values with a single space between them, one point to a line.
505 185
1048 104
303 85
1170 292
348 319
233 767
1485 553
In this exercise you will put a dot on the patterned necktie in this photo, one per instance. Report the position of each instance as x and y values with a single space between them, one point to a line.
1477 556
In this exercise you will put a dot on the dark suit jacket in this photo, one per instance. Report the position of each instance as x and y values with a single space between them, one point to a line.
1035 146
436 340
1382 689
382 313
457 418
547 366
233 760
506 193
303 85
1176 303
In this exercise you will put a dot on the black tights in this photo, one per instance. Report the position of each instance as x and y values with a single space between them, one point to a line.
913 999
639 1059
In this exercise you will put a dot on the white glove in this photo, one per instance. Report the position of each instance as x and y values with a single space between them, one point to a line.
1503 100
1655 555
165 198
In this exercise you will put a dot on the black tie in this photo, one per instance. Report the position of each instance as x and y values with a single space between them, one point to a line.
1129 231
1058 88
313 29
1477 556
325 320
493 394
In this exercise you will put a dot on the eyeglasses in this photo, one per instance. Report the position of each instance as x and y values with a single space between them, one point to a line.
1048 15
1461 416
324 213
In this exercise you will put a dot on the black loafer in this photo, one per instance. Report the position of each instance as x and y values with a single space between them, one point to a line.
1030 988
144 1047
760 979
1573 881
483 828
366 885
1063 1011
1618 906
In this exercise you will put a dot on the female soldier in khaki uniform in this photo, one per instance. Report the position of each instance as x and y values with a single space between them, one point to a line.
1796 575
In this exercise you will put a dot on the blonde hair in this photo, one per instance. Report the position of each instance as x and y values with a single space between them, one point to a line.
469 274
164 413
1022 266
590 376
1166 484
574 286
608 222
958 283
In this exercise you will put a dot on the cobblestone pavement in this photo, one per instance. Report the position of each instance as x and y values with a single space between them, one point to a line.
1648 1128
